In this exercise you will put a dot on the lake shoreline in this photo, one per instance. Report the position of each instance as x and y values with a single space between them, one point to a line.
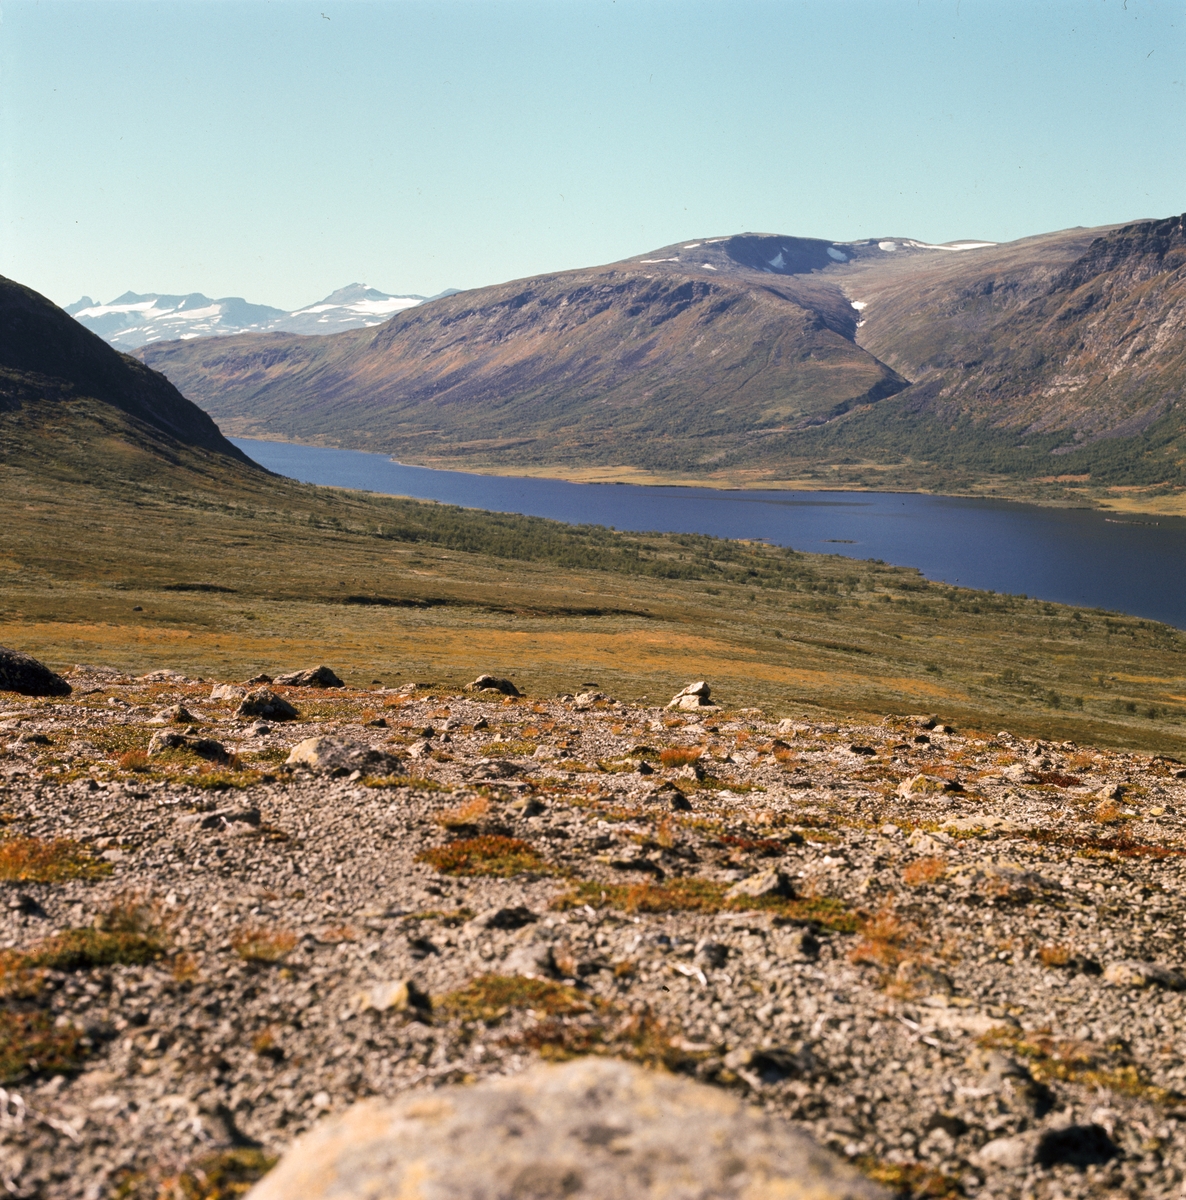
1120 563
1117 500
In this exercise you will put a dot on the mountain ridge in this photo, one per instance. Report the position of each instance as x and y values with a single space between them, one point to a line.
50 362
1051 367
137 319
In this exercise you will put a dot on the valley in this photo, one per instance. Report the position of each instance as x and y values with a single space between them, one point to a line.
1047 369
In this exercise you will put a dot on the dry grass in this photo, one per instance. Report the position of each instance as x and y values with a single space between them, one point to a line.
464 816
923 871
705 896
491 855
884 941
134 760
910 1181
258 944
680 756
1108 813
1054 956
339 933
225 1175
490 998
1094 1067
41 860
31 1044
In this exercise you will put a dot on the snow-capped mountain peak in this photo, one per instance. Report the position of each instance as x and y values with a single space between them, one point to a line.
133 319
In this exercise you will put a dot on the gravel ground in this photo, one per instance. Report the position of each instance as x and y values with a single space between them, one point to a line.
953 959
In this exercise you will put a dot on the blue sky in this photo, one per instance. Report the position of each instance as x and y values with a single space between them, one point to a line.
279 150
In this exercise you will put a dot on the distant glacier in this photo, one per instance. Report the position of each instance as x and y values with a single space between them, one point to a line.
134 319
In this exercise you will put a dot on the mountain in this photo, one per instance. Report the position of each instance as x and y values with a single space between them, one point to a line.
52 367
133 320
1049 367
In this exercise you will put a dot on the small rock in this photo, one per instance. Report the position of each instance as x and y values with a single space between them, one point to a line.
800 945
398 995
176 714
489 683
515 917
771 882
203 747
264 702
713 954
1077 1145
644 768
1008 1153
923 785
228 691
596 1128
494 768
23 674
1132 973
256 680
337 756
695 695
1111 791
320 677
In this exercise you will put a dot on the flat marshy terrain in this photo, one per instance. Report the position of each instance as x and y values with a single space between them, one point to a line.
119 552
953 959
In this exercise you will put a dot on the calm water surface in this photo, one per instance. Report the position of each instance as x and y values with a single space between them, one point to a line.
1130 564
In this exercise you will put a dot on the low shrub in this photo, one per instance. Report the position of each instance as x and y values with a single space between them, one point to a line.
42 860
256 944
923 871
31 1044
489 998
491 855
680 756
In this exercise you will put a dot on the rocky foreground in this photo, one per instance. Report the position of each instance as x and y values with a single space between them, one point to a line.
231 910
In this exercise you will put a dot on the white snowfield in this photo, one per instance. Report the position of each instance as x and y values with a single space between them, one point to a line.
134 320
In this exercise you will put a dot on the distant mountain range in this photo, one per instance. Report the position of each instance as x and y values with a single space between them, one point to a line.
1050 368
135 319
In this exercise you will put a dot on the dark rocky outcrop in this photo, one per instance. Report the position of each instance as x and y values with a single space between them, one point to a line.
22 673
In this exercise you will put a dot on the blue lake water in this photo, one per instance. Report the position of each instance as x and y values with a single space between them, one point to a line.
1077 556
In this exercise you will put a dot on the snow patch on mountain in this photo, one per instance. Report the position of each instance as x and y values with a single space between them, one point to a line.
133 320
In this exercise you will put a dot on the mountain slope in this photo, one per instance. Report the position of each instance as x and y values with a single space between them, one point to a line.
1041 367
646 362
49 362
133 320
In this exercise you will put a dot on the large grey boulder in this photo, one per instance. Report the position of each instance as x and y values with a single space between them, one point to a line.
490 683
20 672
264 702
593 1129
322 677
337 756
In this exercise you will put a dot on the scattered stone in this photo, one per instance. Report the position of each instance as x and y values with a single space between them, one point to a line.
924 785
264 702
318 677
201 746
515 917
398 995
1111 791
1132 973
23 674
338 756
489 683
771 882
228 691
176 714
593 1128
694 696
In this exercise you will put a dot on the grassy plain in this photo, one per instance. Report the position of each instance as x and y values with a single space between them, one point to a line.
118 551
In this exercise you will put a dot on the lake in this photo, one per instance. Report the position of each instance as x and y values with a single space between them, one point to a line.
1131 564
